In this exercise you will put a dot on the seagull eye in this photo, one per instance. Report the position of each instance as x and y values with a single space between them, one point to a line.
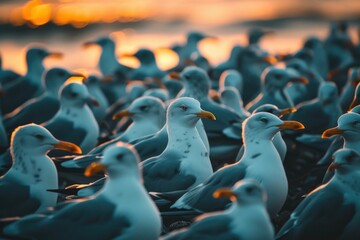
249 189
119 156
264 120
143 108
39 137
74 95
61 74
187 77
183 107
277 76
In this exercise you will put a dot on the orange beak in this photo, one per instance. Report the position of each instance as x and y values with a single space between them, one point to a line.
175 75
224 193
302 80
333 166
269 59
291 125
206 114
124 113
55 55
94 168
89 44
67 146
332 132
286 111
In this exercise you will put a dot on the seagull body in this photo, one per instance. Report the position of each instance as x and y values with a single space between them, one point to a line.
121 210
230 63
275 80
43 108
246 219
231 98
185 161
347 95
260 161
223 147
331 210
325 109
93 85
74 121
31 81
23 187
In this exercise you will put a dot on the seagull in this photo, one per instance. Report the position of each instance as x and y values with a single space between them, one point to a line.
231 98
229 64
93 85
356 98
347 95
23 187
247 217
185 161
148 66
121 210
260 162
231 78
275 79
319 61
74 122
31 81
250 64
299 92
148 115
325 109
108 63
223 147
331 210
43 108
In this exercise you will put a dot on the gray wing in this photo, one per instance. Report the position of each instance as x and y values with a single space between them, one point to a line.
210 228
147 149
321 215
17 201
201 197
89 219
162 174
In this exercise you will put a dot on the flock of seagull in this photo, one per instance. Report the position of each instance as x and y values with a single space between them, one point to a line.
260 146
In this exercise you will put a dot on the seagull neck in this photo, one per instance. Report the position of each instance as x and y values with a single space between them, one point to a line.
35 70
352 144
35 168
108 61
179 134
256 144
117 186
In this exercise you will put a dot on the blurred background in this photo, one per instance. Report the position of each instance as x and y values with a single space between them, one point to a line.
63 25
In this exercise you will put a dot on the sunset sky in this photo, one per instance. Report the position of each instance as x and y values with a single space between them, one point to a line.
158 23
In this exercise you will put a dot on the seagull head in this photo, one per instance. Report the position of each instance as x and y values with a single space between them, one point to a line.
56 77
229 94
196 82
76 94
328 93
273 109
145 56
231 78
243 192
34 139
348 127
298 65
279 78
186 112
159 93
266 125
103 42
143 108
119 160
345 160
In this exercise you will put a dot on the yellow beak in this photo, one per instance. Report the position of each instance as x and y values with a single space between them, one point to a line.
94 168
206 114
332 132
67 146
291 125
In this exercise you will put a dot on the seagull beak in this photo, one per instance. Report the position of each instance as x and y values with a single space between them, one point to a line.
89 44
55 55
175 75
206 114
333 166
269 59
92 101
332 132
286 111
67 146
214 94
107 79
94 168
292 125
224 193
302 80
124 113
